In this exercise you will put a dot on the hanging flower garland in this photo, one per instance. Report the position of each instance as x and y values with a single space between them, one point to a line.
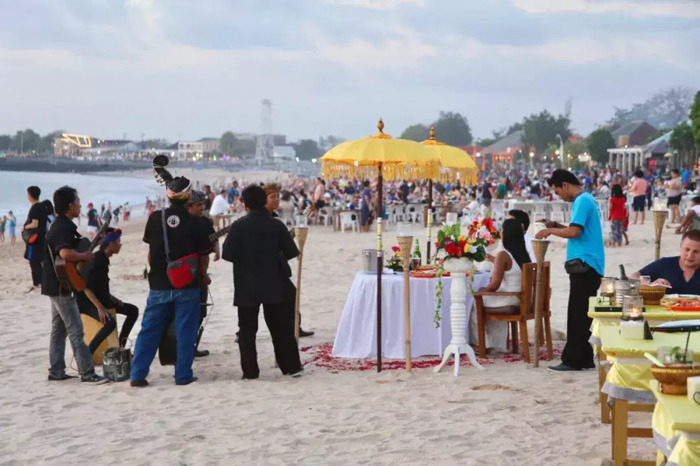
438 293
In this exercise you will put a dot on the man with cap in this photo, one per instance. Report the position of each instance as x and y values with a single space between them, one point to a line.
172 293
272 190
195 206
255 245
96 299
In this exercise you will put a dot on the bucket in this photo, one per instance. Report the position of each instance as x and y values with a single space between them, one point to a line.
369 260
116 364
622 288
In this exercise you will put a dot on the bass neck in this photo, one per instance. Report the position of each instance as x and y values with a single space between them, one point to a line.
214 236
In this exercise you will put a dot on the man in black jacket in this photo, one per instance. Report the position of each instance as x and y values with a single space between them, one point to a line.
254 245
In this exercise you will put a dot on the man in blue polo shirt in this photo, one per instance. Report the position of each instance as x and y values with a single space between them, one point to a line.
585 264
681 273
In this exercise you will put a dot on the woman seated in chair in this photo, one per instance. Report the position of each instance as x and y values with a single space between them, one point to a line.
506 276
96 299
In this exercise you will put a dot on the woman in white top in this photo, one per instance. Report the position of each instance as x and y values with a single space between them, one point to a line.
506 276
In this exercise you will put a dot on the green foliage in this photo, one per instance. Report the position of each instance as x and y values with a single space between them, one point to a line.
5 142
453 129
695 119
598 142
416 133
683 142
665 108
228 143
540 130
307 149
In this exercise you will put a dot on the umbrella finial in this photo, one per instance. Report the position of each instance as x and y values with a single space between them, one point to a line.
432 133
380 125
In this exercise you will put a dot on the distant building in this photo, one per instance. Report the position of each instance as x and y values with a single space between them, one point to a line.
634 133
284 153
190 150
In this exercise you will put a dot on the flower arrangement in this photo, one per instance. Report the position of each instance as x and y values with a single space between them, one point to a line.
451 243
395 262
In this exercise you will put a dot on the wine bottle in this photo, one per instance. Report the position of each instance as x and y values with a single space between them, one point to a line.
416 255
623 276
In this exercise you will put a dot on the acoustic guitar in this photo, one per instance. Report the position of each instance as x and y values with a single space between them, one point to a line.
70 272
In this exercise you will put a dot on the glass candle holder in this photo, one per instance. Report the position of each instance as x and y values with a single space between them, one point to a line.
451 218
632 307
607 290
403 229
301 221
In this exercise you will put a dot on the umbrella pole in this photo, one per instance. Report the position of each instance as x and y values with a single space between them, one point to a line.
380 268
429 220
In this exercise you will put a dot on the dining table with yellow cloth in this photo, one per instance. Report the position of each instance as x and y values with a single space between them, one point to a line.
654 314
629 376
676 428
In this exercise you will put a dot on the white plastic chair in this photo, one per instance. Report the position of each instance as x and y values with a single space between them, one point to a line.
325 215
412 213
348 219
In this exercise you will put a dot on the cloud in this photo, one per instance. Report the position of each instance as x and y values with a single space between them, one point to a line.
375 4
686 9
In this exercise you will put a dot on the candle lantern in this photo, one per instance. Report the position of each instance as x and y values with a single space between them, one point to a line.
451 218
632 307
607 291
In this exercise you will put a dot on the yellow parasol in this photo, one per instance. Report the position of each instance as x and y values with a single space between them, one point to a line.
455 165
385 157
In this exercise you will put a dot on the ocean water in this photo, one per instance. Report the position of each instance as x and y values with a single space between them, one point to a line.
97 189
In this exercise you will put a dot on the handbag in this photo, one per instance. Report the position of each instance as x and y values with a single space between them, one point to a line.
181 272
576 266
116 364
29 236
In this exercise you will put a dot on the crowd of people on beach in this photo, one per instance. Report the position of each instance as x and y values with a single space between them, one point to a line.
183 228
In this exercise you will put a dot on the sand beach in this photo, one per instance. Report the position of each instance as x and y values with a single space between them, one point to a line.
508 414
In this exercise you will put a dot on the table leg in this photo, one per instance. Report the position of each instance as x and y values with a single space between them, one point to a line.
602 397
619 432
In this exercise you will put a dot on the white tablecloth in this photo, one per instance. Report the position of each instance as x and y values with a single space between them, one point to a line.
357 331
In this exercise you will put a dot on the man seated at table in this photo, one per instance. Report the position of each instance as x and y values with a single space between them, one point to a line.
681 273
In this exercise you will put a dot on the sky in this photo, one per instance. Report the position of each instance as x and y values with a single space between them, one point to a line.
184 69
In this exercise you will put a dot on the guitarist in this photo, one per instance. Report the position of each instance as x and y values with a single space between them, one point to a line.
96 298
65 315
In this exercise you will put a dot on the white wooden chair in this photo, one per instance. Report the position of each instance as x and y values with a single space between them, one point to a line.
348 219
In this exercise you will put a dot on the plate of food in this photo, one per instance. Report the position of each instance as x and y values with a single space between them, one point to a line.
681 302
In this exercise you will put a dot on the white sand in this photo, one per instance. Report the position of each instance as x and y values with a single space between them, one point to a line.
321 418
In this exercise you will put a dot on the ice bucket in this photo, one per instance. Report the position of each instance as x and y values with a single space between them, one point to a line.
369 260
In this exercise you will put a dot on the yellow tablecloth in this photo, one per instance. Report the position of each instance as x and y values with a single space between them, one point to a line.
676 426
630 375
653 314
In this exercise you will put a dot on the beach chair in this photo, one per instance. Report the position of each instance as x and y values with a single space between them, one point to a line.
325 215
518 315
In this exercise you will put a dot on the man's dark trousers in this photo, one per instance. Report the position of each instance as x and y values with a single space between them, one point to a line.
578 352
279 318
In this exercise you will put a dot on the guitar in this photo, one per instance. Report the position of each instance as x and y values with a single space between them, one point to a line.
70 272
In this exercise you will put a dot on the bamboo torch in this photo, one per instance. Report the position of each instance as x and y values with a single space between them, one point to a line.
405 243
539 246
301 231
659 220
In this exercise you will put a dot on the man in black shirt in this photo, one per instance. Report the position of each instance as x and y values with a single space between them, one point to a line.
185 238
65 316
96 299
36 225
254 245
272 190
